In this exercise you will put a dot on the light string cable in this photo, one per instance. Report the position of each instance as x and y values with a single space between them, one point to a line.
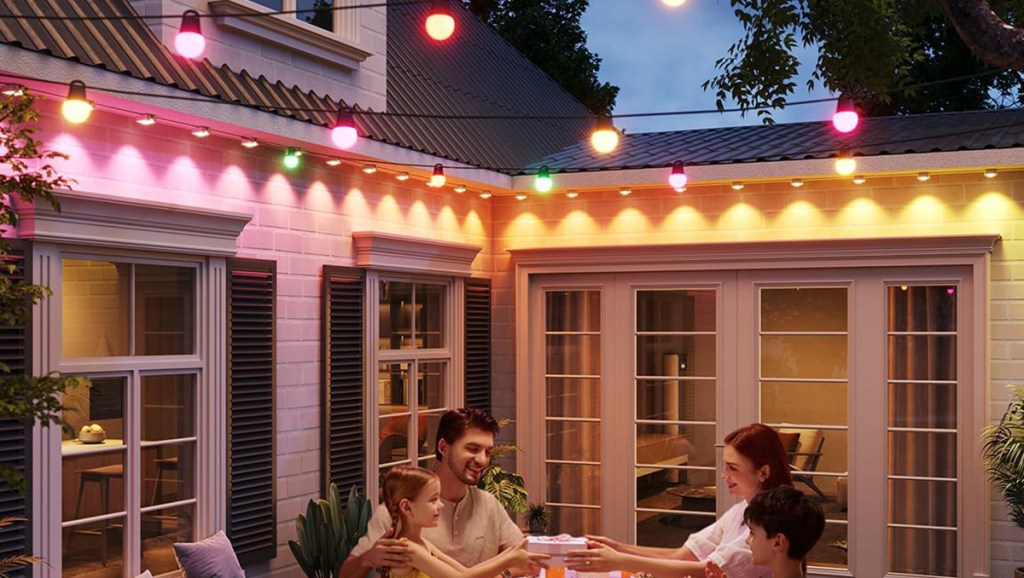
554 169
261 14
456 117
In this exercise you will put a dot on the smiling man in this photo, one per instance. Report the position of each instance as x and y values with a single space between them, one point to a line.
473 527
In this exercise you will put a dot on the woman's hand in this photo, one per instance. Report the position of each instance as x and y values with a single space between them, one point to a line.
595 541
714 571
598 557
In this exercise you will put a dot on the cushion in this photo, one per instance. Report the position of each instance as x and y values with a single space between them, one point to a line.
146 574
789 441
210 558
808 443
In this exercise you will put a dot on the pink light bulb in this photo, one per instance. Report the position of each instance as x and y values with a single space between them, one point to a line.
845 118
677 179
344 137
190 44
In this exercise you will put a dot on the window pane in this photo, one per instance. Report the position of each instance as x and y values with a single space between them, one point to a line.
675 399
574 440
431 384
574 397
803 356
799 309
803 402
575 521
573 311
395 315
394 438
573 355
922 552
94 550
922 405
161 529
168 473
95 308
574 484
922 357
273 4
832 549
165 310
663 444
96 413
924 454
922 308
669 530
675 311
922 503
393 387
429 313
93 484
671 355
316 12
168 407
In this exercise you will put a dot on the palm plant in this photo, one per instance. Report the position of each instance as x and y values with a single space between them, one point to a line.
508 487
9 564
1004 455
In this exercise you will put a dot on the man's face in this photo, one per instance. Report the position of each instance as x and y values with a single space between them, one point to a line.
468 457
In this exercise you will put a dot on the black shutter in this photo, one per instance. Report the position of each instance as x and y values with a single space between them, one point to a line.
344 455
478 343
252 519
14 437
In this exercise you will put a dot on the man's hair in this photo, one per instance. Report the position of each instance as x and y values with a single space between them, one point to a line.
786 510
455 422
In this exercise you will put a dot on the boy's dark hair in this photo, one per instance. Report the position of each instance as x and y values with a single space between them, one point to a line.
786 510
455 422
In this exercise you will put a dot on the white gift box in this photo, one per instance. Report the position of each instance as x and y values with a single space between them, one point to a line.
555 546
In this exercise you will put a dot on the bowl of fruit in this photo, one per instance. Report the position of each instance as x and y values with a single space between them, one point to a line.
92 434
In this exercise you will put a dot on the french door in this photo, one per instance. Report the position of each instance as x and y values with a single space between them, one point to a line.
635 378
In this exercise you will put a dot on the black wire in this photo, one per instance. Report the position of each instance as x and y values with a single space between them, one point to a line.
210 15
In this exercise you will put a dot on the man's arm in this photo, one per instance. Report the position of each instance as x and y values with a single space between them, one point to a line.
376 548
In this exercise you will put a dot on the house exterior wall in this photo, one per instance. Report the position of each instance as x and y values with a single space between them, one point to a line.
948 204
303 219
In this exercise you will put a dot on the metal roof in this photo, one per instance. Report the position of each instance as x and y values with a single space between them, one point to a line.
475 73
924 133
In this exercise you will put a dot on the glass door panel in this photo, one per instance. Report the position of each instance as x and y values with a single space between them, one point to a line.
572 377
922 429
676 362
803 353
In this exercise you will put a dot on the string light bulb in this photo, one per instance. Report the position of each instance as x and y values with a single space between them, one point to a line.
344 134
845 119
604 138
76 108
543 182
440 23
189 41
291 158
437 180
677 178
845 164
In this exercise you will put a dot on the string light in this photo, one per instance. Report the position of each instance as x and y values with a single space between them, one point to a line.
146 120
201 132
76 108
189 41
991 173
291 158
437 179
845 119
543 182
344 134
677 178
845 164
440 23
250 143
605 138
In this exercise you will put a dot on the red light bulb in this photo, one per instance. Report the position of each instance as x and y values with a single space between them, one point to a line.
440 23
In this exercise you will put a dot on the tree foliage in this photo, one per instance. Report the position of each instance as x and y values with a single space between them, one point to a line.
548 32
25 173
868 49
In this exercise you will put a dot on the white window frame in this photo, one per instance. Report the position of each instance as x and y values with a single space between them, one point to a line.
96 226
972 252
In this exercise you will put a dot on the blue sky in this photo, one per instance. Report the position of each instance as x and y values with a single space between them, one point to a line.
659 57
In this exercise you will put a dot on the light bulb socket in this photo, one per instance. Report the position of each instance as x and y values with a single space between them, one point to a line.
76 91
441 8
190 22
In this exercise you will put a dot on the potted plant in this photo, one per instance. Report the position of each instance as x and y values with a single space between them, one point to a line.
538 519
508 487
327 532
1004 458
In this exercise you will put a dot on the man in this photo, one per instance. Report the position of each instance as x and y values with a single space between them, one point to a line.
473 526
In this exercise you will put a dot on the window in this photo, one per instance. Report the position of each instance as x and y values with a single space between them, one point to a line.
129 485
316 12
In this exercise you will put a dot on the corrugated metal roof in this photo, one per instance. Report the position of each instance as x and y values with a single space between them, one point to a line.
940 132
475 73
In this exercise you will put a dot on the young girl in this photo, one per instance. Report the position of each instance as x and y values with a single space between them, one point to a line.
413 498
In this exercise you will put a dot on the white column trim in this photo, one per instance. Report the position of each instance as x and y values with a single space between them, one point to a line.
389 252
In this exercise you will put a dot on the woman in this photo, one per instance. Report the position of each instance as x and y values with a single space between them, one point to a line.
413 498
754 460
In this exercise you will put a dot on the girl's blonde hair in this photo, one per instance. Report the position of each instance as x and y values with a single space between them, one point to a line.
404 483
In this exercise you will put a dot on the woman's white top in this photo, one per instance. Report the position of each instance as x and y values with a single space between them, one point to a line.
725 544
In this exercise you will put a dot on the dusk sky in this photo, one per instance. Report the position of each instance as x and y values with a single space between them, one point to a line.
659 57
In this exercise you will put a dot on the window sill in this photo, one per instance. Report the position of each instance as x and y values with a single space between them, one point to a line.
288 31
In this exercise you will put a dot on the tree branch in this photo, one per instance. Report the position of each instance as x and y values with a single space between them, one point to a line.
989 37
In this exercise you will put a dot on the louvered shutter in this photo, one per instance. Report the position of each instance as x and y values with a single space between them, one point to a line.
478 343
14 438
344 456
252 519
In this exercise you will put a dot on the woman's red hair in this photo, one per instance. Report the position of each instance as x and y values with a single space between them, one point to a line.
761 445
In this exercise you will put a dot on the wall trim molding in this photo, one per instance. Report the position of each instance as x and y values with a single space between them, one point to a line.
386 251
